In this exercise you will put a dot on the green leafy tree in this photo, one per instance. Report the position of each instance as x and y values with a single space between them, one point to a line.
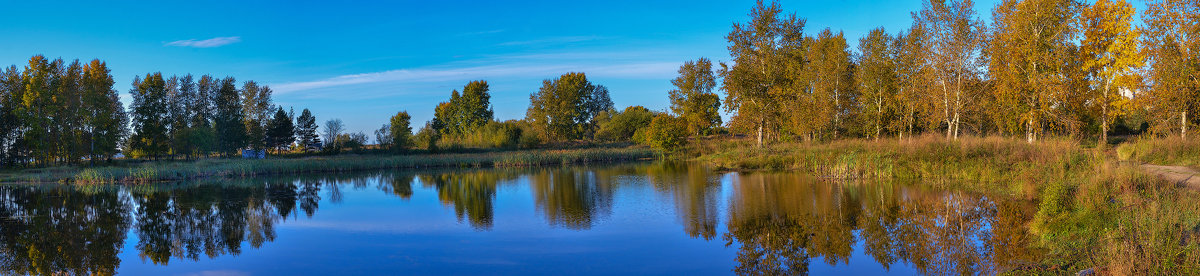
280 131
149 125
830 75
306 130
693 100
564 108
1029 50
229 128
400 131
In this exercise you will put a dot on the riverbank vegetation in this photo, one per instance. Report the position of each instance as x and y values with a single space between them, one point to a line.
1092 210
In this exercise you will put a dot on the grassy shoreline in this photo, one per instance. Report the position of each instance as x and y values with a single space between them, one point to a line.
1094 210
220 168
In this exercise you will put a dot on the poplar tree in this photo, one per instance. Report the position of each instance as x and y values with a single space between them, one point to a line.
36 105
913 77
830 72
104 115
11 125
229 128
149 125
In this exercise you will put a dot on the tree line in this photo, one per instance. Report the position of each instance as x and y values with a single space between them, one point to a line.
1043 67
53 112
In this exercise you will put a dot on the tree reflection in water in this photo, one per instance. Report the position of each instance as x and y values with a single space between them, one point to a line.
778 223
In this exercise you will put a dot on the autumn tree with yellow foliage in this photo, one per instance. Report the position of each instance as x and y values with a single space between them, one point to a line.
1111 56
1029 49
1172 42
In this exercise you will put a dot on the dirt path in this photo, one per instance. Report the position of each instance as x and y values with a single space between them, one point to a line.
1184 176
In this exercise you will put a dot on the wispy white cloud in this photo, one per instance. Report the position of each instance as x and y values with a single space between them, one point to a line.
635 70
553 40
207 43
483 32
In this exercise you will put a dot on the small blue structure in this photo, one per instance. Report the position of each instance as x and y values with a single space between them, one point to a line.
254 154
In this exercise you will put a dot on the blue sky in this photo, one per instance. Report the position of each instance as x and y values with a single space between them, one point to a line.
363 61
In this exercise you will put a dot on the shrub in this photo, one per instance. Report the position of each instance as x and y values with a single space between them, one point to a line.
623 125
666 133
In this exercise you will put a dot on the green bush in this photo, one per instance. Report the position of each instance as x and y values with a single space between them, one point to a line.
666 133
623 126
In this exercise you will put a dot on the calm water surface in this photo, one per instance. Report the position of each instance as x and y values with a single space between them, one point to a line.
656 218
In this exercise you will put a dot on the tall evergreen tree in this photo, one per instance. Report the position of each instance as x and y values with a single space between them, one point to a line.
280 131
306 130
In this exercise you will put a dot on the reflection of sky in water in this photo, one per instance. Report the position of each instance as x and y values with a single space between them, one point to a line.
631 219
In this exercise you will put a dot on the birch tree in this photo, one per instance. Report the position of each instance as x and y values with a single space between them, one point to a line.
1173 42
757 76
875 77
1111 55
957 41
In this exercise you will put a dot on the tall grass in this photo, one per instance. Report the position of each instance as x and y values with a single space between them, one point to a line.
183 170
1170 151
1093 212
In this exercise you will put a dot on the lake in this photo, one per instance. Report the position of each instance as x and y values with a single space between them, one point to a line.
645 218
